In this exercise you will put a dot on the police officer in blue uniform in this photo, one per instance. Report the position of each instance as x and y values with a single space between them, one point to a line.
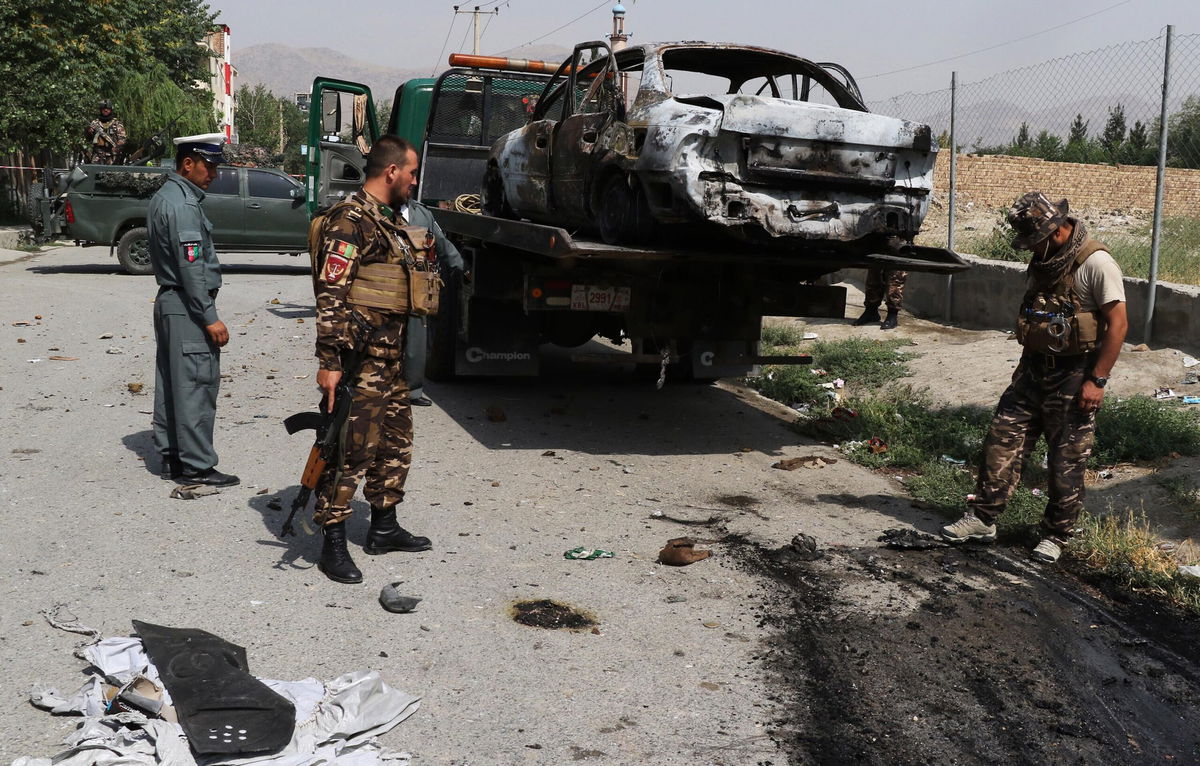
187 331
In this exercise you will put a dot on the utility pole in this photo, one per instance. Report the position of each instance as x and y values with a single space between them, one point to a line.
475 14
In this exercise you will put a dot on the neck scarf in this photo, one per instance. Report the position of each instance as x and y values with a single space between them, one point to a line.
1052 268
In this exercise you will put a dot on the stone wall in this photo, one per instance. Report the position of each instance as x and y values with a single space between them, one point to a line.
996 180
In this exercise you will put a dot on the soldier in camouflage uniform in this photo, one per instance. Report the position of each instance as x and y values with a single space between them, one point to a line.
364 254
1071 325
105 136
882 285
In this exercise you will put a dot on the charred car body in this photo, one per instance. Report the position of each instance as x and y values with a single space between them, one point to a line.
763 145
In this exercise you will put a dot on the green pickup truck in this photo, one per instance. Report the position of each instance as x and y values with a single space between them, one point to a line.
252 210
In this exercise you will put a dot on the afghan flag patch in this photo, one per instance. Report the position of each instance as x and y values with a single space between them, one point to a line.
337 263
191 251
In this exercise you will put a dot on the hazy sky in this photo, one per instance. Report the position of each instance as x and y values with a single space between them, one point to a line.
868 36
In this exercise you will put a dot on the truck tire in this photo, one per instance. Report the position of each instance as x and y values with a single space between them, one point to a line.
133 251
623 215
33 206
441 335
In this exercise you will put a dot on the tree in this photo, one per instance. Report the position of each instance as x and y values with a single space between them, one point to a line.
59 57
1183 135
1022 144
257 117
1048 146
1137 149
148 102
1114 132
1078 148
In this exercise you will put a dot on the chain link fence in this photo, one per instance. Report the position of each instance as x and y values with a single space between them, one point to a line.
1085 127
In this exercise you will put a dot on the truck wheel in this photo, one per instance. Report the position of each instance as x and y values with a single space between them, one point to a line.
624 214
440 336
133 252
33 206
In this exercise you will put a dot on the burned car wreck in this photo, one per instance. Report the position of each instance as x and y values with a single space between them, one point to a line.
767 147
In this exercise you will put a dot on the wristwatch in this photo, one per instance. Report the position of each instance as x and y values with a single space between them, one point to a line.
1100 382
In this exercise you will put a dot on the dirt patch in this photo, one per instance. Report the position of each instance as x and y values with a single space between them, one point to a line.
969 655
544 613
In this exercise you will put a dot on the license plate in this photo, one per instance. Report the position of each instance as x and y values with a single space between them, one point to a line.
597 298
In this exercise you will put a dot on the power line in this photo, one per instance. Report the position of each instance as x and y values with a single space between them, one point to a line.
999 45
453 19
577 18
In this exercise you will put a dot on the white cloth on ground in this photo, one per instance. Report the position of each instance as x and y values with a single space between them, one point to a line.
336 722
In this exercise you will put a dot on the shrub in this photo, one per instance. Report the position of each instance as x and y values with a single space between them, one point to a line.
1141 428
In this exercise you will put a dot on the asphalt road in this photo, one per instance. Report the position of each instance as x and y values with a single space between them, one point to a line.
671 675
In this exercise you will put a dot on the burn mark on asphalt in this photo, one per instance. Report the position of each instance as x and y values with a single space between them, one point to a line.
553 615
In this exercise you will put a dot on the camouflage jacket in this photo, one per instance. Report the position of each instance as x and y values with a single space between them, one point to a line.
352 236
105 138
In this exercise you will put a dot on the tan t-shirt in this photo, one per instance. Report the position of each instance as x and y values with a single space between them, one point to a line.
1099 282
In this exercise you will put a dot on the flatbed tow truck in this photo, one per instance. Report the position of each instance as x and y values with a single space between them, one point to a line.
688 311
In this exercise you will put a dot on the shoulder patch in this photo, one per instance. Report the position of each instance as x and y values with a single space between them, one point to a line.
338 256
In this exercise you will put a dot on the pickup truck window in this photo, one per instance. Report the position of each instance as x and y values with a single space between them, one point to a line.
269 185
226 182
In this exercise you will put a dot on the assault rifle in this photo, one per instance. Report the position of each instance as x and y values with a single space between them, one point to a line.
328 424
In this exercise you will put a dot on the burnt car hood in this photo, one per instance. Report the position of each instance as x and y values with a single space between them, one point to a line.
765 116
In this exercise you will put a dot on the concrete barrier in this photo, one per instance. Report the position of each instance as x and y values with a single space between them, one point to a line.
987 297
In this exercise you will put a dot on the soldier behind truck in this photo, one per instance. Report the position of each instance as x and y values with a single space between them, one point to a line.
105 136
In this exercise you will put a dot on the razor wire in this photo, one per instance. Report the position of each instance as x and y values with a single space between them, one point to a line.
1098 108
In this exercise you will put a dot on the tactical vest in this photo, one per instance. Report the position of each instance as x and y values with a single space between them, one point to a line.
1052 321
408 283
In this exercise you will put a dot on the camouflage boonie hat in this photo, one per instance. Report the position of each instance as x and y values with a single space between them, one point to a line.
1034 217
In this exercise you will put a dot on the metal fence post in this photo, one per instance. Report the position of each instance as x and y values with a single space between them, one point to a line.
948 309
1160 182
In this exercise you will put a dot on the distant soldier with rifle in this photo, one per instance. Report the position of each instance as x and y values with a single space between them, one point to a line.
105 136
376 258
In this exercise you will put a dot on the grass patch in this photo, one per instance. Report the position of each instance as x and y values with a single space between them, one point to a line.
776 335
1182 492
861 362
1142 428
1177 258
1125 549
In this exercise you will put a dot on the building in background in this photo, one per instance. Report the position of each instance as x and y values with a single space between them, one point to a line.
302 101
221 77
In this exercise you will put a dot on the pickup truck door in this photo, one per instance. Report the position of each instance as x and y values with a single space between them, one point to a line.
341 129
223 206
274 211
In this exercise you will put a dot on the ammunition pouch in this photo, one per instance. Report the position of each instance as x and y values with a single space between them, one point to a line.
1058 333
381 286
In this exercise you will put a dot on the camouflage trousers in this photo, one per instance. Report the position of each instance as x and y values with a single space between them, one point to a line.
1040 401
881 285
376 446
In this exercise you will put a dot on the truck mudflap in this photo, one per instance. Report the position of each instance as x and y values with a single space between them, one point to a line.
556 242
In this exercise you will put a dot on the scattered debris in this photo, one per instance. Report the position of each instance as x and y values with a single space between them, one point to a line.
681 551
1105 474
553 615
811 336
135 388
495 414
1140 347
676 599
1192 570
1190 379
63 358
22 323
25 451
876 445
114 351
1164 393
712 624
587 554
1190 361
808 461
802 548
391 600
263 491
910 539
952 461
549 453
193 491
105 336
274 301
1191 400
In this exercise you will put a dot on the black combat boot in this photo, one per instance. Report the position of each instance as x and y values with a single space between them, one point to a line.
171 467
893 319
335 559
869 316
385 535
